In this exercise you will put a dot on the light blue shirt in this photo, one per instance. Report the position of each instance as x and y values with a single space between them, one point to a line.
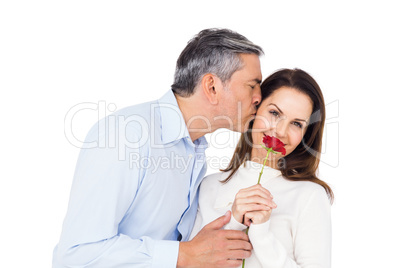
135 190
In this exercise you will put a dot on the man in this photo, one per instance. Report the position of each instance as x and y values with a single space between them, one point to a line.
135 195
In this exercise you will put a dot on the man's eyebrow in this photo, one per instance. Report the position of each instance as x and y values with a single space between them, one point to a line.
255 80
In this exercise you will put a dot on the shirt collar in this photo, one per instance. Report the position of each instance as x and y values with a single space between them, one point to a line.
172 122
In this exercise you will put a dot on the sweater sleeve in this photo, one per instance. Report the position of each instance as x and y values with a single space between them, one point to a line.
233 224
312 238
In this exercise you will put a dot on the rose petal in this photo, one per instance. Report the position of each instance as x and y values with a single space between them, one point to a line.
274 143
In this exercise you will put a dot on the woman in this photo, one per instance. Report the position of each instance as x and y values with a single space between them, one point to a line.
288 213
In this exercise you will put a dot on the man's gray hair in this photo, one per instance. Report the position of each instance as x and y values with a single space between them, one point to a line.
213 51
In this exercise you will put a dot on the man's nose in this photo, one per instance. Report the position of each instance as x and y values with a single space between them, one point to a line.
257 95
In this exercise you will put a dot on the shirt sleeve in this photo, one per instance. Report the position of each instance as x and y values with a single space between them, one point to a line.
312 239
104 188
197 225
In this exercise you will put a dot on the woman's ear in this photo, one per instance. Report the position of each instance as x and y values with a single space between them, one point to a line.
209 84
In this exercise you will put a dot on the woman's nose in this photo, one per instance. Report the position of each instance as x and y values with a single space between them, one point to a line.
280 128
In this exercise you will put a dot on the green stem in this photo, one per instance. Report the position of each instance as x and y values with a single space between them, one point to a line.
259 178
265 161
244 260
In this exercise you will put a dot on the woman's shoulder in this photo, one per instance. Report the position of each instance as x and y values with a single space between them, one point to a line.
315 193
310 186
306 190
214 178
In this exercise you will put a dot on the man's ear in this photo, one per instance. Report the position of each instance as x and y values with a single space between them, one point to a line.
209 85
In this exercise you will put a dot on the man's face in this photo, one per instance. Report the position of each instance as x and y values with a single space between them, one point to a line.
242 93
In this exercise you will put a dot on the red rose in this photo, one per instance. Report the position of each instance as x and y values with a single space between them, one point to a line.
274 143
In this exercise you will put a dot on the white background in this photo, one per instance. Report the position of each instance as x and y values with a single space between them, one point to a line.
57 54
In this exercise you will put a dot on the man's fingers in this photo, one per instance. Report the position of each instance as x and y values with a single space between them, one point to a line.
233 263
239 254
235 235
240 245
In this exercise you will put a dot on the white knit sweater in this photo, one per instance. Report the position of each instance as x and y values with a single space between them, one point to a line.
298 234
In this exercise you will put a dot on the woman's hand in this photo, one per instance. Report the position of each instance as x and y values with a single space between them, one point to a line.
253 205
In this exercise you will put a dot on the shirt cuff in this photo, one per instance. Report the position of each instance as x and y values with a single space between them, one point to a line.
165 253
233 224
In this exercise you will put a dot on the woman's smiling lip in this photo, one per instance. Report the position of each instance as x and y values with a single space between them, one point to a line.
284 144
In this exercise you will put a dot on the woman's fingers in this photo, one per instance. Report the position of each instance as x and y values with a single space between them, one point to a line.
256 200
253 199
255 194
255 190
243 209
256 217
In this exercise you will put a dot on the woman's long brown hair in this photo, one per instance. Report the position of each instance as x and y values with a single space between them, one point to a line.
302 163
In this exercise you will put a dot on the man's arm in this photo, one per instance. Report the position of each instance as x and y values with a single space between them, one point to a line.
120 251
103 190
214 247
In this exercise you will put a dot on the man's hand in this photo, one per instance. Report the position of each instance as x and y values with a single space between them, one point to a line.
213 247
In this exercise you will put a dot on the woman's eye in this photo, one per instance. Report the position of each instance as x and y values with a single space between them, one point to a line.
274 113
297 124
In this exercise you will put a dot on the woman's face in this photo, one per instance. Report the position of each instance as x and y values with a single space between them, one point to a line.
284 115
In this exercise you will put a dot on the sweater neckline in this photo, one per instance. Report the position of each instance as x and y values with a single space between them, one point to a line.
255 168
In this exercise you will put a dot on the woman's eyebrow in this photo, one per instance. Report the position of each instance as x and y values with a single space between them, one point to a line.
276 107
296 119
